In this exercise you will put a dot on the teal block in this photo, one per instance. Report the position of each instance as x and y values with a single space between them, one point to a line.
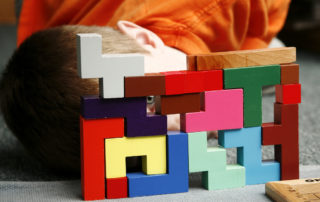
252 79
213 163
249 154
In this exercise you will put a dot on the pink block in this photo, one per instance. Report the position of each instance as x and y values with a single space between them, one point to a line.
223 109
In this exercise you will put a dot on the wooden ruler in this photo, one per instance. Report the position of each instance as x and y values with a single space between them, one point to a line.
294 190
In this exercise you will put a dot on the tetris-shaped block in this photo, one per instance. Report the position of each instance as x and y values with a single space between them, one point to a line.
223 109
284 134
116 188
151 148
288 94
109 68
92 135
252 79
138 123
212 162
249 154
139 86
247 58
175 181
289 73
177 104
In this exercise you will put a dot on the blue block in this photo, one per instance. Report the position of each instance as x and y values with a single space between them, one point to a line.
177 179
249 154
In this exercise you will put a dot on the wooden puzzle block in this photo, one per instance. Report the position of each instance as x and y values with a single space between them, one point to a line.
289 73
151 148
175 82
247 58
109 68
213 80
252 79
194 81
92 135
288 94
284 134
138 123
175 181
294 190
191 62
223 109
117 188
249 154
139 86
212 162
176 104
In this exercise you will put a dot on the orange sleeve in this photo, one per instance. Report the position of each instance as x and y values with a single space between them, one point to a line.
191 26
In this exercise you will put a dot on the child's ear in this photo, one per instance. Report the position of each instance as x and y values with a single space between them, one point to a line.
146 38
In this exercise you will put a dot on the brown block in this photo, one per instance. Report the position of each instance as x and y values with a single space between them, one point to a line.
177 104
289 73
247 58
139 86
191 62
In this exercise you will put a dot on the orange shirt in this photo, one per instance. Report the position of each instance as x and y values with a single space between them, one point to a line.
193 26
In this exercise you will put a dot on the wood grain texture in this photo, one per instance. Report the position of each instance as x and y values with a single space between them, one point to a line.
191 62
294 190
247 58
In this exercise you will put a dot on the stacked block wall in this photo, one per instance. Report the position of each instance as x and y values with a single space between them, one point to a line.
221 91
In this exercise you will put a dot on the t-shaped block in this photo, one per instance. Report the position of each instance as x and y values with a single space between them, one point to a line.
109 68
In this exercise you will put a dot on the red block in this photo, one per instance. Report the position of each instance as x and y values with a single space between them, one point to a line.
288 94
175 82
117 188
194 82
213 80
92 135
284 134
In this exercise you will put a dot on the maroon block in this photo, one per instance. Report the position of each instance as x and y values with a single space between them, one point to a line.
284 134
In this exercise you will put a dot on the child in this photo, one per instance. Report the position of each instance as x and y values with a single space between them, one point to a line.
40 88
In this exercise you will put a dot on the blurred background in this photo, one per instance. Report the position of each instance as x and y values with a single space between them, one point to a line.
302 30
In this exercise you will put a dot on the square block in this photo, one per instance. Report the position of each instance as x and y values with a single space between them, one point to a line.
288 94
289 73
117 188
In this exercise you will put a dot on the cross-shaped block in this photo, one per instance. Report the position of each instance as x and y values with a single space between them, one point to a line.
109 68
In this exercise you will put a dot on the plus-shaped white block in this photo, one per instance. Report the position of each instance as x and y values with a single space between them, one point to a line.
109 68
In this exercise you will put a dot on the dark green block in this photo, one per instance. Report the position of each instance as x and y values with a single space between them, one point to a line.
252 79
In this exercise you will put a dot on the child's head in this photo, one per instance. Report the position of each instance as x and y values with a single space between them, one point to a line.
40 92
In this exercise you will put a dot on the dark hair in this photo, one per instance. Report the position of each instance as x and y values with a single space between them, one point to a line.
40 92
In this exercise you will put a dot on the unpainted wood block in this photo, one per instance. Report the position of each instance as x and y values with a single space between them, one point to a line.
294 190
246 58
289 73
191 62
177 104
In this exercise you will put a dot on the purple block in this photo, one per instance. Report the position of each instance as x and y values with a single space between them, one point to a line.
138 123
146 126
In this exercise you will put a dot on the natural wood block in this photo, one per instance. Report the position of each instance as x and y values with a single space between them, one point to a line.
294 190
247 58
191 62
289 73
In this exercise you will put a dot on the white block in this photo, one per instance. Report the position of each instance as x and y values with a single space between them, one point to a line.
109 68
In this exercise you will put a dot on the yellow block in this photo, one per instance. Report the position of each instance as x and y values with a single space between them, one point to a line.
151 148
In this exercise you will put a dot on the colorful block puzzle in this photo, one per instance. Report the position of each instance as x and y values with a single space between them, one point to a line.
225 95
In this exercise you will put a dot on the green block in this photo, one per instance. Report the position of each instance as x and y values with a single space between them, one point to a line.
232 177
252 79
213 163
